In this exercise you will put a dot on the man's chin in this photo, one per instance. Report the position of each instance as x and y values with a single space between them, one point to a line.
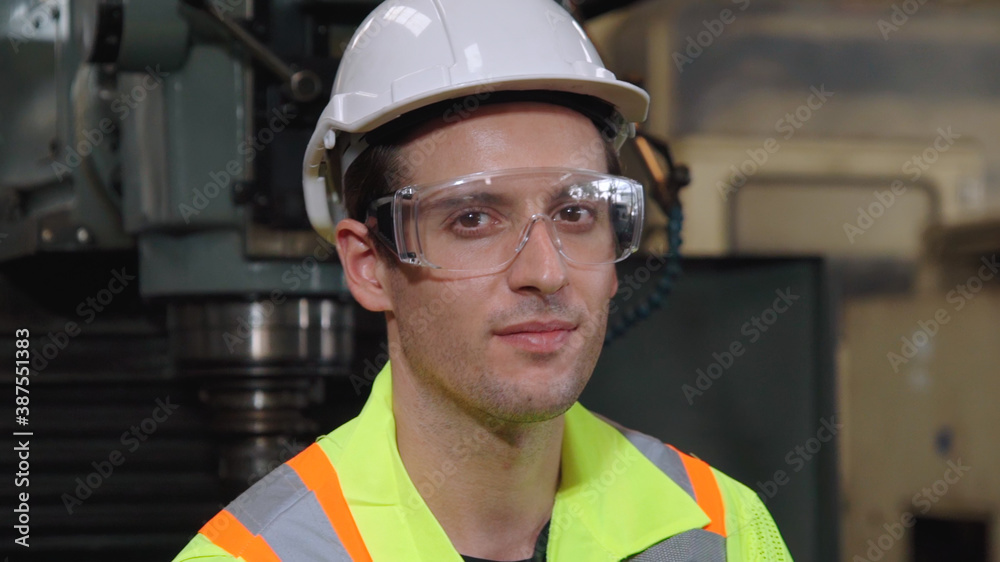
540 399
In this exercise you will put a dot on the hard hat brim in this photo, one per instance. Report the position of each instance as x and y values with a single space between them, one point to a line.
630 100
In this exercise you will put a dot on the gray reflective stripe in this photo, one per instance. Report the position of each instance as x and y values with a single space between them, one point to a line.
282 510
304 533
696 545
665 458
266 499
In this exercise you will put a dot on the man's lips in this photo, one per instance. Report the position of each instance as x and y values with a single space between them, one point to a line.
537 337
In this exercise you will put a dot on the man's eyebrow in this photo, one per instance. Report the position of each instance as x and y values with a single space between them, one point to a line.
558 193
476 198
561 193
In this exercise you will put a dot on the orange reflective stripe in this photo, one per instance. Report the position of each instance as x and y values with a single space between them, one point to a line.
316 472
226 532
706 492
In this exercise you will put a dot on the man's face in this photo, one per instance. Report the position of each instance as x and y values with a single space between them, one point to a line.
518 345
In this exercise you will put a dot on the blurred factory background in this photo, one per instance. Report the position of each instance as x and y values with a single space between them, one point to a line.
831 341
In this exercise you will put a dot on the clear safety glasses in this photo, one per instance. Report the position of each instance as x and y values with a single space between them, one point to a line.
481 221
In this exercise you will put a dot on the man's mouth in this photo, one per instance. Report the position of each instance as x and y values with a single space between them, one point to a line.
538 336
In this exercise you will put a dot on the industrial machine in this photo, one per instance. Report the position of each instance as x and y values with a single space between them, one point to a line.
177 135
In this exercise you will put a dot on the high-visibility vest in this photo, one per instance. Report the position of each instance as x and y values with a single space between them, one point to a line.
237 529
623 495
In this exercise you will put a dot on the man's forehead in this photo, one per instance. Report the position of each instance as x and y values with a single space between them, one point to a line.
503 136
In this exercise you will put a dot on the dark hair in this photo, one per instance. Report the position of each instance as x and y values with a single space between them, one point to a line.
380 169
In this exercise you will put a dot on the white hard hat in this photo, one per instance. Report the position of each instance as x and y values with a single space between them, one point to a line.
408 54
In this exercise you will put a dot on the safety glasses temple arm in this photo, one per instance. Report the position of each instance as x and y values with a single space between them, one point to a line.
379 221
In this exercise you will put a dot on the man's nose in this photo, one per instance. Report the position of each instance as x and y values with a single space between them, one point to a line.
539 267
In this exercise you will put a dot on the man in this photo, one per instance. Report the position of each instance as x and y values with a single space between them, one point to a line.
476 144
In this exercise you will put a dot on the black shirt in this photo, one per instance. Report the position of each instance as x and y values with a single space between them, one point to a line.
540 546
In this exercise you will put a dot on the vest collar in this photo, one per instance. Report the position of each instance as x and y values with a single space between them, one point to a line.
611 503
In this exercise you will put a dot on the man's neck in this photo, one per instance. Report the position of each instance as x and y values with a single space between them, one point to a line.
490 484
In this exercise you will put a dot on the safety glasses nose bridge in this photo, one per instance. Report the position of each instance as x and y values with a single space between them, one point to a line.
550 228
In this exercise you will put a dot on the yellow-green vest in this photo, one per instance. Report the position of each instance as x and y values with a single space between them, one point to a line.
623 495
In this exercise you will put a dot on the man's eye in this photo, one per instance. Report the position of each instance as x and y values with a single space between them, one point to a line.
473 219
573 214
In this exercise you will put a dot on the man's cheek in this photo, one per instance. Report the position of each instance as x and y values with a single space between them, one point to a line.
420 324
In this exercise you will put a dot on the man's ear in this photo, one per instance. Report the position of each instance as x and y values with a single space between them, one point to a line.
364 272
